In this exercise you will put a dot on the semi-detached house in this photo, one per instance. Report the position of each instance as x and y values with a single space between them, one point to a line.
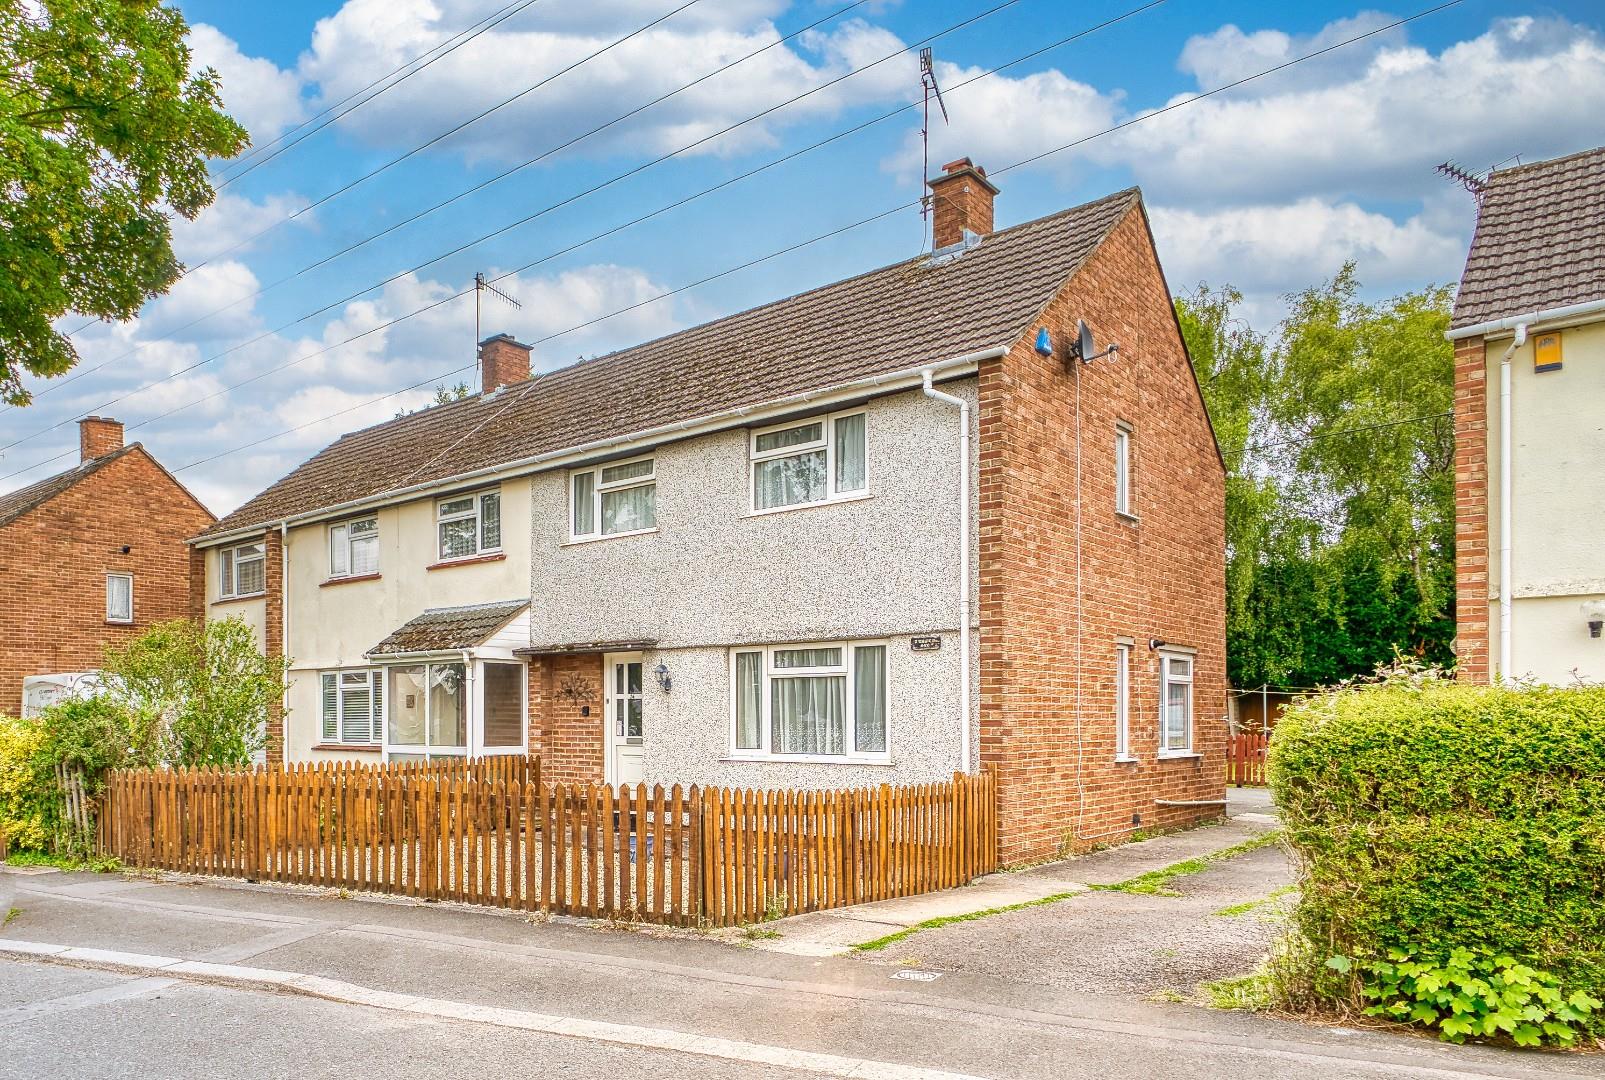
874 533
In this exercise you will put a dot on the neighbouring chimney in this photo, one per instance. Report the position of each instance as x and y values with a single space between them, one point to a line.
503 361
961 202
98 436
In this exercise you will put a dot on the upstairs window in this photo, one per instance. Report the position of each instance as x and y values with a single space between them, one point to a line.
242 571
813 461
811 701
120 598
353 706
469 525
1123 469
354 548
1175 704
614 500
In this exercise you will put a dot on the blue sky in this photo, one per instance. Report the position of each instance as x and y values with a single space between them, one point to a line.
1269 187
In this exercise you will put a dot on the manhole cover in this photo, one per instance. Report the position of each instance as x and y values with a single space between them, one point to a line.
916 975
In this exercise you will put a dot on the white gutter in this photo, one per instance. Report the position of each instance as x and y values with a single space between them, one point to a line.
964 562
1506 590
890 382
1531 319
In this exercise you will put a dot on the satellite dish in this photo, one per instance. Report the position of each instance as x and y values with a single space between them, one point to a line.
1083 347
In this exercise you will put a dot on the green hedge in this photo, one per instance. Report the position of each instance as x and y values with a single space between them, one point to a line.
1428 815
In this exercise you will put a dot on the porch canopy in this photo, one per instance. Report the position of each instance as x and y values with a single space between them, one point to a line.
449 629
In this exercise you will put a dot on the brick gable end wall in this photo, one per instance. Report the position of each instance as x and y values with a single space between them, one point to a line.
54 561
1161 577
1471 510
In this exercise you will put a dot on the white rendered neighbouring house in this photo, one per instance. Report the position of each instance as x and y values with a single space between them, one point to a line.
873 533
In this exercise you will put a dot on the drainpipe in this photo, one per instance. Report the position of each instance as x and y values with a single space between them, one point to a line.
964 562
1505 585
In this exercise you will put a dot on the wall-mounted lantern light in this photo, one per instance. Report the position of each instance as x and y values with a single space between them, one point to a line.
662 674
1594 612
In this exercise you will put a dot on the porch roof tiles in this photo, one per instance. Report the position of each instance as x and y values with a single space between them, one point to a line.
449 629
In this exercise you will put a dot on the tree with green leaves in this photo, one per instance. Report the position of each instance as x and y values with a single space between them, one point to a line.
105 130
1340 487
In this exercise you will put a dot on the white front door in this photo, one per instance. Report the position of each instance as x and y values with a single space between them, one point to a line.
622 674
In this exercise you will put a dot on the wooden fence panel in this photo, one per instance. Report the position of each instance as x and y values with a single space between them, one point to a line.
1245 757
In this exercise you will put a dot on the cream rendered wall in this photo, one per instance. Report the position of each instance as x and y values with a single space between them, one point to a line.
332 626
1558 506
714 575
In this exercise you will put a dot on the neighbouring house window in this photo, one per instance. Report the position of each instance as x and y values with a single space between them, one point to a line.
822 701
1175 704
612 500
809 462
1122 701
353 706
354 548
1123 468
242 570
469 525
119 598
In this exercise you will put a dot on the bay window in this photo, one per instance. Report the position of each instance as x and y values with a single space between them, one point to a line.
353 706
614 500
469 525
817 701
811 461
242 570
354 548
1175 704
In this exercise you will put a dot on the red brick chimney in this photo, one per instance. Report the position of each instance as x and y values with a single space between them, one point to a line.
502 361
961 201
98 436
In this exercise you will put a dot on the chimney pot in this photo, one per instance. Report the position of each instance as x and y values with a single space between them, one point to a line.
98 436
503 360
961 202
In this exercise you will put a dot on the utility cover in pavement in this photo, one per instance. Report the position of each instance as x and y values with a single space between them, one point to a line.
915 975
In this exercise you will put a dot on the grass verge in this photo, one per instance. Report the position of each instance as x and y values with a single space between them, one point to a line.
101 864
1248 906
969 916
1154 881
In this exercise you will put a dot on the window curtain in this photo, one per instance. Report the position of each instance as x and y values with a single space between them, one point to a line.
249 575
331 715
490 521
456 538
339 549
584 503
808 715
790 480
446 711
1176 715
119 597
749 700
407 706
630 509
869 698
850 472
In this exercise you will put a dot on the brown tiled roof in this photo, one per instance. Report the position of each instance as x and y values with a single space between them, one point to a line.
446 629
892 319
14 504
1540 240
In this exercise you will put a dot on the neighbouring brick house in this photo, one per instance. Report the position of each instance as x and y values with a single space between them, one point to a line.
873 533
90 557
1529 335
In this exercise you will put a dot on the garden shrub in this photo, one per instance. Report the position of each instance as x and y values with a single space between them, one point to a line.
1429 816
27 786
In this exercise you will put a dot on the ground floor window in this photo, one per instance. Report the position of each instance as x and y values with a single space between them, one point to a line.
353 706
428 711
1122 701
824 700
1175 704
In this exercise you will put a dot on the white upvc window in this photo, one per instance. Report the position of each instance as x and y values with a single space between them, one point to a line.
354 548
824 701
810 461
1123 468
1122 701
469 525
613 500
1175 704
242 570
120 598
353 706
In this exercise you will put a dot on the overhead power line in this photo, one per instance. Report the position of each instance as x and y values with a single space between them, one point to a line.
1356 430
617 178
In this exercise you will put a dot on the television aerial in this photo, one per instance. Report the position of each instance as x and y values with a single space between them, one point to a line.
932 90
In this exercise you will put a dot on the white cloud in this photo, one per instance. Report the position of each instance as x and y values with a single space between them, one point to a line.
256 92
234 224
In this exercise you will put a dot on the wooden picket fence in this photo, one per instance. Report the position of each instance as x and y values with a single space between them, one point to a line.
491 833
1245 758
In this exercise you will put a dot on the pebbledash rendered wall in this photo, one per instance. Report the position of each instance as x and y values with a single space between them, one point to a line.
715 575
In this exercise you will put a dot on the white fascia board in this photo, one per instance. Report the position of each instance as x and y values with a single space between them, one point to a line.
1532 320
891 382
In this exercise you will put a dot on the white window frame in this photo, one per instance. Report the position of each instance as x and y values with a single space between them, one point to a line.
477 514
1123 437
227 580
377 706
476 717
827 443
121 620
598 488
340 541
1123 701
850 730
1167 675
